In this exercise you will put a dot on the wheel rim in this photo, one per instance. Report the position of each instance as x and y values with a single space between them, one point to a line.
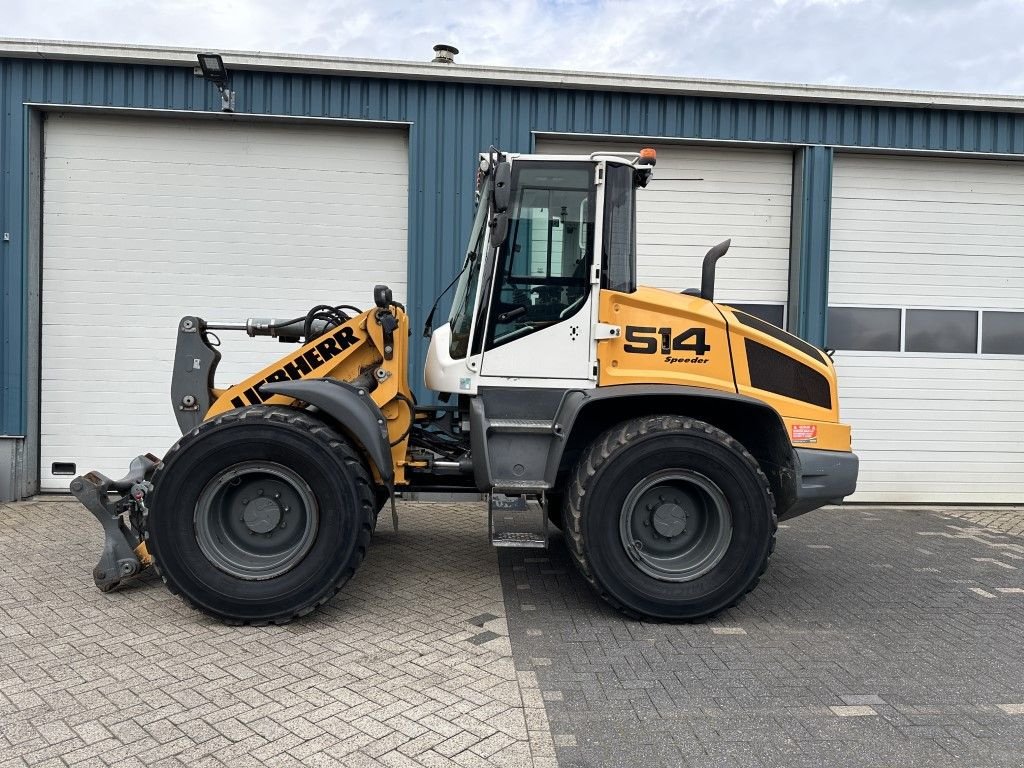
676 525
256 520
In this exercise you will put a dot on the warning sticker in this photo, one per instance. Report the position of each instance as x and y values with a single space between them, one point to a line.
805 433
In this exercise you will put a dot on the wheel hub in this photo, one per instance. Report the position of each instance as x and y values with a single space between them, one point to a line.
669 520
676 525
262 515
256 520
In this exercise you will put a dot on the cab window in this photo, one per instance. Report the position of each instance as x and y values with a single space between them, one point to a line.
542 271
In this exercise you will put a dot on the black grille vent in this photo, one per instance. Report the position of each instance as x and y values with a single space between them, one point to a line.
778 333
774 372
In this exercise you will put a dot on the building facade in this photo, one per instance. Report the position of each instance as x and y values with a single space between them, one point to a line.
888 225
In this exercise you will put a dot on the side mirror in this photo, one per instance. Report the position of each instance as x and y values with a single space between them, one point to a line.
502 193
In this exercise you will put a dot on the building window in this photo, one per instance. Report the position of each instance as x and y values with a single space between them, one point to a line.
770 313
875 329
941 330
1002 333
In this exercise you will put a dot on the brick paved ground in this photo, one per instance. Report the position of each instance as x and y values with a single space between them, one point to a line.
1002 519
877 638
410 665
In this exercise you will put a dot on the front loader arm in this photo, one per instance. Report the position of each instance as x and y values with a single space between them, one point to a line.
369 353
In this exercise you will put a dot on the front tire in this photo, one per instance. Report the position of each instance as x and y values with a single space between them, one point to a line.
669 518
260 515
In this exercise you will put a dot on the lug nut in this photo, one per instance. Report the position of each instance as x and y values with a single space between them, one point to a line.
277 495
259 492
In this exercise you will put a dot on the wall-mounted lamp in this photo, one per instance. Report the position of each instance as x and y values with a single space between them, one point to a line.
213 70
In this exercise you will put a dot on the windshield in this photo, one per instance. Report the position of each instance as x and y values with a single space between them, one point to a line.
461 317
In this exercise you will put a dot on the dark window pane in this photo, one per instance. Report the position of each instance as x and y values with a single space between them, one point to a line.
770 313
1002 333
941 330
619 249
876 329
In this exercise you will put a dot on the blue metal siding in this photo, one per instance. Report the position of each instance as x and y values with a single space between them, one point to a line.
812 204
451 122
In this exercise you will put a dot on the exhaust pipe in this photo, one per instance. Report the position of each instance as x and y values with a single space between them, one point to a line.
707 275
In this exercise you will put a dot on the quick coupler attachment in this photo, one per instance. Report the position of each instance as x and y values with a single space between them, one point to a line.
124 552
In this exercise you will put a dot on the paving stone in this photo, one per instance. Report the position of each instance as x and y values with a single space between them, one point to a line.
846 711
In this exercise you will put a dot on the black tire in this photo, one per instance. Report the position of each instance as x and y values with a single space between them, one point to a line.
198 519
604 506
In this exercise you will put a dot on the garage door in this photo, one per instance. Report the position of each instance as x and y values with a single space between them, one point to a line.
146 220
926 290
700 196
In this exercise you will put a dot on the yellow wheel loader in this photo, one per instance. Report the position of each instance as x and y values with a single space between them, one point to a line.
664 433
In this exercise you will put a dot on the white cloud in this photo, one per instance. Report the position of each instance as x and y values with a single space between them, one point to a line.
970 45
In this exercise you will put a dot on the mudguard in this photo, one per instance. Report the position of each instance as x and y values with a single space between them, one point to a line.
353 411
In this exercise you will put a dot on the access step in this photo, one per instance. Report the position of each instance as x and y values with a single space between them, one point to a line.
518 520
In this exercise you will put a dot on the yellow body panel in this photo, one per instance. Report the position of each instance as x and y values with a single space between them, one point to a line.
345 353
647 311
672 338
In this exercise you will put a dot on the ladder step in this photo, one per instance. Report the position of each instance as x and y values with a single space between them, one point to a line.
523 540
518 520
522 426
517 487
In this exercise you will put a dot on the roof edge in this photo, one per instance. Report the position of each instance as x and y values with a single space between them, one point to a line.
498 75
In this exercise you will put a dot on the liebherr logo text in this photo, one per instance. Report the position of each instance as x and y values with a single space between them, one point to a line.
301 365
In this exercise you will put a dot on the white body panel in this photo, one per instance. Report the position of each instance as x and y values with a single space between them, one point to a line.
931 233
700 196
561 351
146 220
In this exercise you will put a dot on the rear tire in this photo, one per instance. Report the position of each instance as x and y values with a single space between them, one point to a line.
260 515
669 518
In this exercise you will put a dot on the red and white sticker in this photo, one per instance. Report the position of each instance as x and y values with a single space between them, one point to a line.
805 433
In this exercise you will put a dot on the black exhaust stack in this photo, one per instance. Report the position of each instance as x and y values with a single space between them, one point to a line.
707 275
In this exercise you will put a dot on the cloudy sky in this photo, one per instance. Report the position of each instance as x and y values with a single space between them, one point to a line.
952 45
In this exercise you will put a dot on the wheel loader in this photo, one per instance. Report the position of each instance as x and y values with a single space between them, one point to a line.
665 434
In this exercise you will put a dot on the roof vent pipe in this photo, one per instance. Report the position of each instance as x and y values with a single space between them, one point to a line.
444 54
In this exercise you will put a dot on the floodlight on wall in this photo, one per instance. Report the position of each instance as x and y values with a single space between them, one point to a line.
214 71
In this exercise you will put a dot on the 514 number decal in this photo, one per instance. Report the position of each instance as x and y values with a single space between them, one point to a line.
643 340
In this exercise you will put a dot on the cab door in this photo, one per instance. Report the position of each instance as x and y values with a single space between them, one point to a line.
544 289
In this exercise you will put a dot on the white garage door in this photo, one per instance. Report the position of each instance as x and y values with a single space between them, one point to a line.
926 290
700 196
146 220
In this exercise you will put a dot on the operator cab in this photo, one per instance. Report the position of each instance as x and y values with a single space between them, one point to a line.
528 290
